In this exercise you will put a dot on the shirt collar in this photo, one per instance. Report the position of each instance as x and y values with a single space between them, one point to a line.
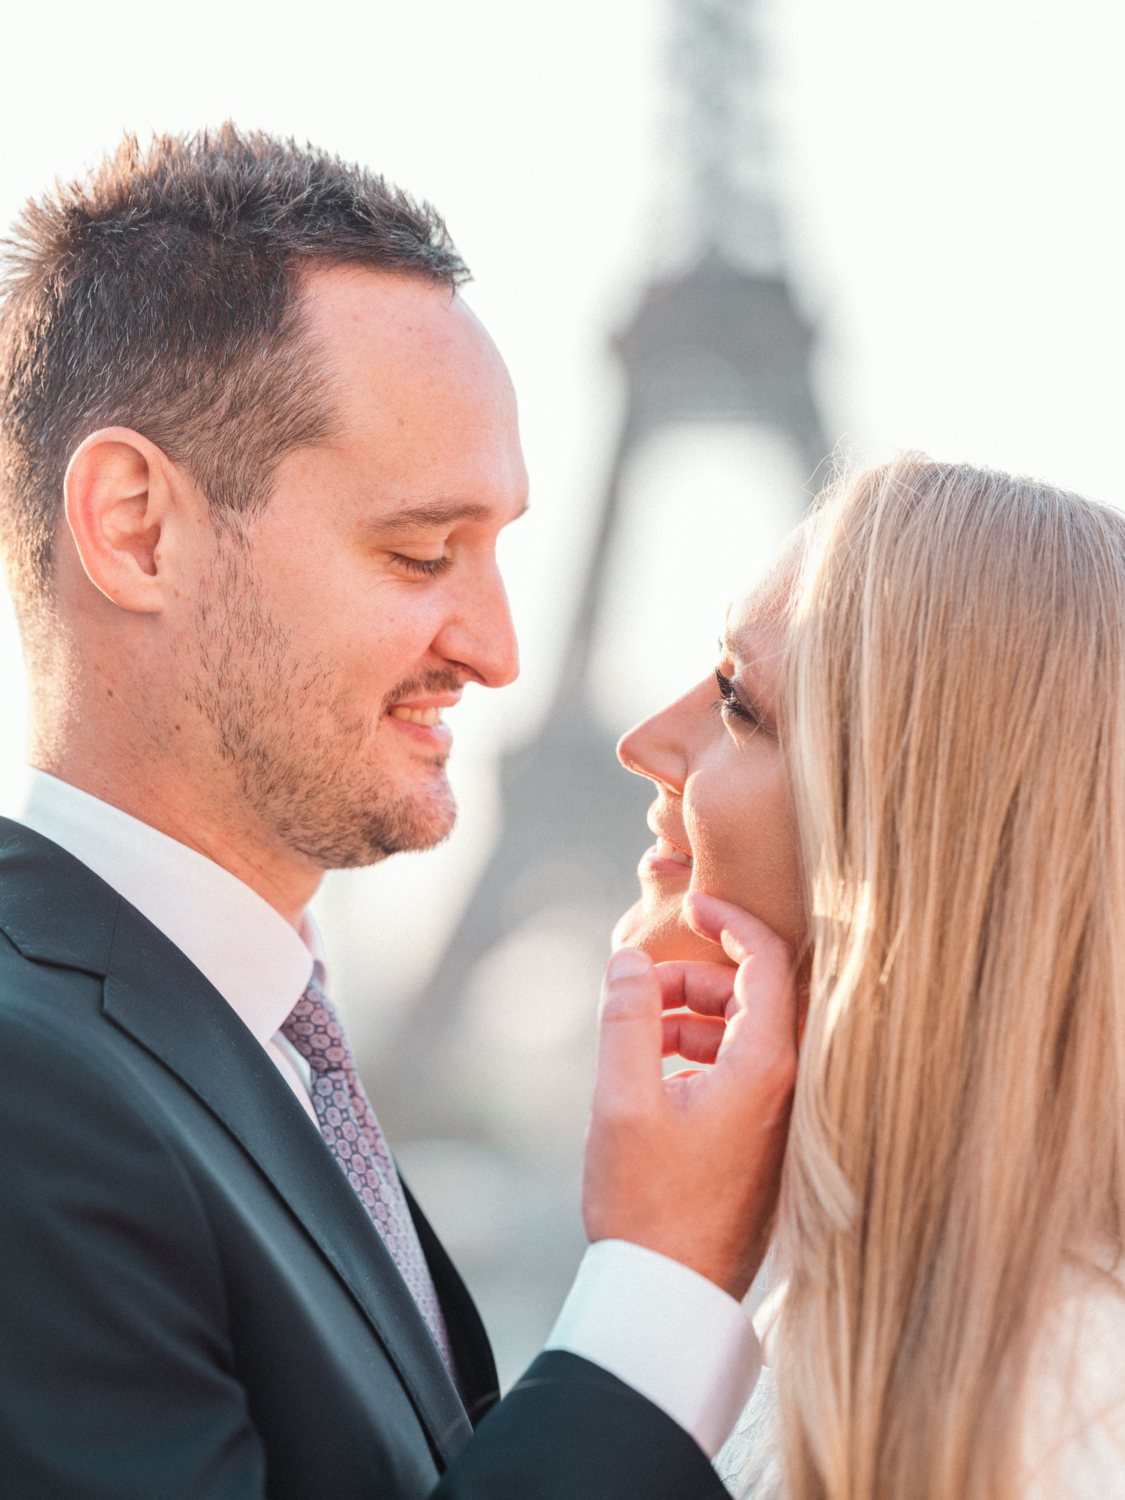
258 963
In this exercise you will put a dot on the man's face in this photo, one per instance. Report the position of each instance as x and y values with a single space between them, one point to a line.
334 628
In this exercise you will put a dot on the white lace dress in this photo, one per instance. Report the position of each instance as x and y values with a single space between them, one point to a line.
1074 1426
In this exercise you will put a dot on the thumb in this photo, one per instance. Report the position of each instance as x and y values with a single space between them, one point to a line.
630 1034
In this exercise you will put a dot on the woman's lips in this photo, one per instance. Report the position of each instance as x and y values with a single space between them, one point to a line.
664 858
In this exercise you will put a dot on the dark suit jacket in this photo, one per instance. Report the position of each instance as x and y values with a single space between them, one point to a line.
193 1302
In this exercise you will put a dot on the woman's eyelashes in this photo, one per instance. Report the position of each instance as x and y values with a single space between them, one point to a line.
730 702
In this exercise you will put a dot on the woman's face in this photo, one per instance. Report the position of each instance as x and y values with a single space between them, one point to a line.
723 817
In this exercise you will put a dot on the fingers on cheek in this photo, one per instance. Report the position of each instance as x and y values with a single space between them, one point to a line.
704 987
768 970
674 1041
713 997
672 982
625 1002
698 1038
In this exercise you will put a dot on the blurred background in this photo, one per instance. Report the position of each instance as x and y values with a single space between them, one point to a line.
716 240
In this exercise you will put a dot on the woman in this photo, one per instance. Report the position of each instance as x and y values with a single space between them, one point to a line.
915 773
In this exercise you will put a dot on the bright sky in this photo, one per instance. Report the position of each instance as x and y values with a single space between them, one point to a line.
951 176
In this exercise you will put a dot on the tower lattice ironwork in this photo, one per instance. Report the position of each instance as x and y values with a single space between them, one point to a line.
717 339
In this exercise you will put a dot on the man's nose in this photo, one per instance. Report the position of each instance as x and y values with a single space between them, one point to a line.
482 636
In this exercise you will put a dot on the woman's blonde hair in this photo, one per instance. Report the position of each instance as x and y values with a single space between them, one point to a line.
953 707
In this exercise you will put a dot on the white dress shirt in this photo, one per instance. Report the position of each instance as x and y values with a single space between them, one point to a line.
660 1327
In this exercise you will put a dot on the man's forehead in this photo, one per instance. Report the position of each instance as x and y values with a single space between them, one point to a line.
425 411
371 313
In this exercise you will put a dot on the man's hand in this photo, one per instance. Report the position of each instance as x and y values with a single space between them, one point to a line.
690 1165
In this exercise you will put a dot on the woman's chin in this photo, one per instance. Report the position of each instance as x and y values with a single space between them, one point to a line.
660 930
629 925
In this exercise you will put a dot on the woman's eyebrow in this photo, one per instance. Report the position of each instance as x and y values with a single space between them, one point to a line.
734 644
737 645
751 643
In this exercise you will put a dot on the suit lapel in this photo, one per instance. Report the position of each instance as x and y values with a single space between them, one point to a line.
472 1351
55 910
159 997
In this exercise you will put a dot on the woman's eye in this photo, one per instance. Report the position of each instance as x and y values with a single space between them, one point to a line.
731 703
423 567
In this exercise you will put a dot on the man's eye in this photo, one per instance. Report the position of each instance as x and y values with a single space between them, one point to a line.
422 567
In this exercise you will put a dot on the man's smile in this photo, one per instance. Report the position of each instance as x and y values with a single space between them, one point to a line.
425 716
420 716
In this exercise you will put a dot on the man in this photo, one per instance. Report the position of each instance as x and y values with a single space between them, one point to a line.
256 455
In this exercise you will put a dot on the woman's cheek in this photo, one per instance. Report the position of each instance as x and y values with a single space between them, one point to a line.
755 866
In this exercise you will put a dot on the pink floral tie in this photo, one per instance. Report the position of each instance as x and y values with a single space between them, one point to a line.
348 1124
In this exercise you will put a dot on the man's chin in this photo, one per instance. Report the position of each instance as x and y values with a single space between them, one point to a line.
354 836
416 826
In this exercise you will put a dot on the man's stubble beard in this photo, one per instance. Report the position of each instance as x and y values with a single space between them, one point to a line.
307 769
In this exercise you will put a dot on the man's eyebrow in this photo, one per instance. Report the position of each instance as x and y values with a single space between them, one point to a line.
435 513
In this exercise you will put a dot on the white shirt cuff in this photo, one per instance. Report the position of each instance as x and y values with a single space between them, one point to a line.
671 1334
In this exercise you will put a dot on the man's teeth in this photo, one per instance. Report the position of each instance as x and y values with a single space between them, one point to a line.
665 850
426 716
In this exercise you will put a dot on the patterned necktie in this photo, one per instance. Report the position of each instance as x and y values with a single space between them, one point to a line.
348 1124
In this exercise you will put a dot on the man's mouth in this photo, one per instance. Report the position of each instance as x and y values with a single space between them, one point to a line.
427 717
423 710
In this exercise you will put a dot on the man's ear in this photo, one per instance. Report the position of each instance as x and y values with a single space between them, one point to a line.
120 494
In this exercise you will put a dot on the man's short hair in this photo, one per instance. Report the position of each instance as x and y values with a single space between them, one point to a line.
162 294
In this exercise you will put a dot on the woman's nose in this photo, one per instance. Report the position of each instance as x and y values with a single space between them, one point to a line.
658 747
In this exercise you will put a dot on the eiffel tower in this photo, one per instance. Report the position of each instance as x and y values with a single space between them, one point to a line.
717 339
